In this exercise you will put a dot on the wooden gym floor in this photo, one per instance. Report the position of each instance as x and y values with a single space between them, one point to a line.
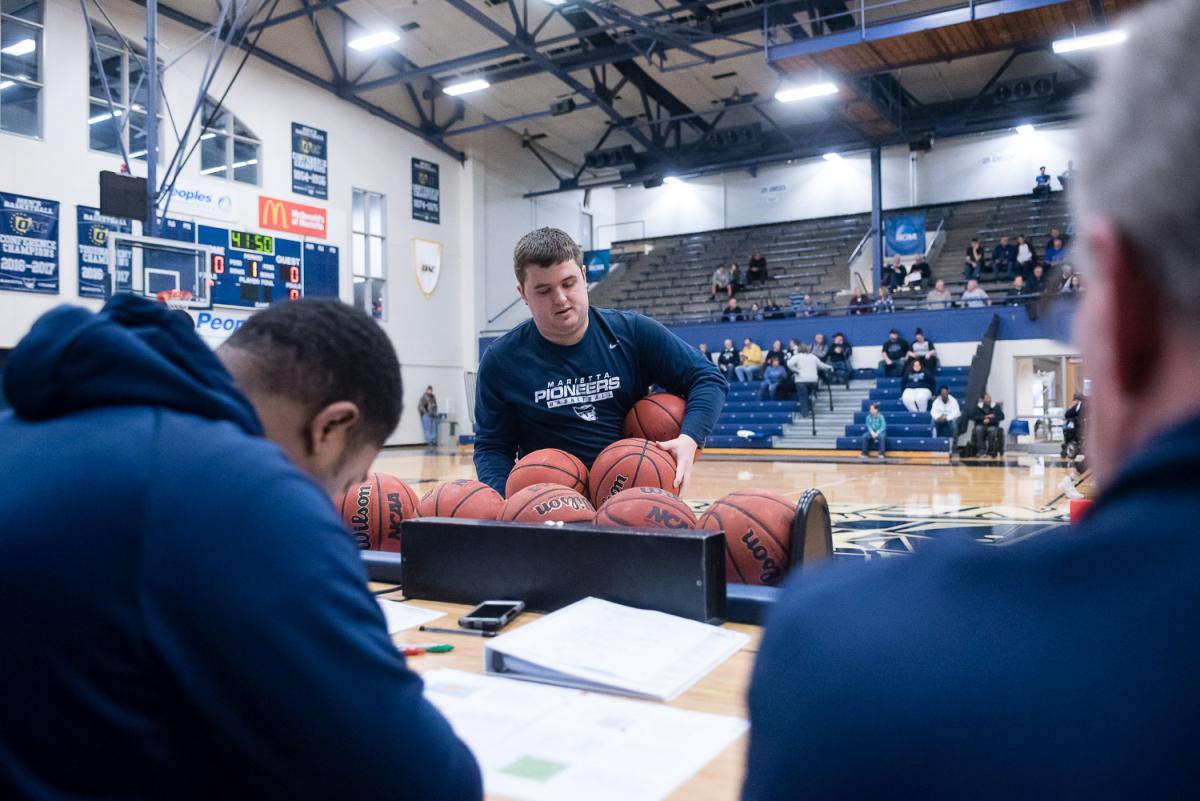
878 508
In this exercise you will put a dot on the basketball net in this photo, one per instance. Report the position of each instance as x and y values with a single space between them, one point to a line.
177 299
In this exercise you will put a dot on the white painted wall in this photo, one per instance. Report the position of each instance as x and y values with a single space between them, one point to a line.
967 168
434 337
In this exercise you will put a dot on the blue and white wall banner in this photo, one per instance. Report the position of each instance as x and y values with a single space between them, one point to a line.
310 162
193 199
905 234
28 244
426 193
93 229
597 263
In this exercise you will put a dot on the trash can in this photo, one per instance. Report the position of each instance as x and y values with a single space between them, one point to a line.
446 429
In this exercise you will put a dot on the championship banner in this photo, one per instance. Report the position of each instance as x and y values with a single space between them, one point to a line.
293 218
905 234
427 261
92 229
597 264
310 164
426 196
28 244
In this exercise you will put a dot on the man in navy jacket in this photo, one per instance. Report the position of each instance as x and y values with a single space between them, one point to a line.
1065 666
184 614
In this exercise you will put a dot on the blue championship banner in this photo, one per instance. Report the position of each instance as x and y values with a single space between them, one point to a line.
28 244
597 263
93 229
310 161
905 234
426 196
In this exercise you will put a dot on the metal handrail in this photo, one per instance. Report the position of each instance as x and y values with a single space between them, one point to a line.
862 243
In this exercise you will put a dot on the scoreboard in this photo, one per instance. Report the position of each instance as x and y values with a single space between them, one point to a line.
252 270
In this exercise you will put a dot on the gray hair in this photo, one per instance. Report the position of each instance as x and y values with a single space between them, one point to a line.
1139 145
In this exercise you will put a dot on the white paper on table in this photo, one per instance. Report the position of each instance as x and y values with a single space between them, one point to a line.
598 645
538 743
401 615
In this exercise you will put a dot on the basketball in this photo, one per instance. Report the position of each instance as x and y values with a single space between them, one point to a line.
629 463
657 418
375 509
646 507
758 535
547 466
462 498
547 502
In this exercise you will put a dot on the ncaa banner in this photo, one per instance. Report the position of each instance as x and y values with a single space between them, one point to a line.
905 234
427 261
294 218
597 264
92 237
310 164
28 244
426 196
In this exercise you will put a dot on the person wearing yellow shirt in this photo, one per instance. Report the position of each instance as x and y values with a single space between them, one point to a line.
752 362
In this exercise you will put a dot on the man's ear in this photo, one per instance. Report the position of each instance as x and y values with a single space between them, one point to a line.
1133 304
521 292
330 426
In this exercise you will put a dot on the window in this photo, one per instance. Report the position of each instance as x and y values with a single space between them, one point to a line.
21 66
228 149
367 239
123 71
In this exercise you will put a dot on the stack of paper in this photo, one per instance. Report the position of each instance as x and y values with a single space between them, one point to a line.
539 743
401 615
597 645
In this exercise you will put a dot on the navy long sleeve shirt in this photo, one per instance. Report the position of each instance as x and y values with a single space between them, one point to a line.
534 394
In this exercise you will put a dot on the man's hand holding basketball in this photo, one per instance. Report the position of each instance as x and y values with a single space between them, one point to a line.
683 448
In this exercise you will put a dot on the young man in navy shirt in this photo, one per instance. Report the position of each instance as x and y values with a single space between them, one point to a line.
566 378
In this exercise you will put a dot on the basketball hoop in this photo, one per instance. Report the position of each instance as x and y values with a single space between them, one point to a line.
178 299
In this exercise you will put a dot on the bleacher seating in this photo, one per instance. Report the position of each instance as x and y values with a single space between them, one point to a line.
906 431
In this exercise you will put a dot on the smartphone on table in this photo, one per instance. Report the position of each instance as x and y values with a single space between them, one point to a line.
491 615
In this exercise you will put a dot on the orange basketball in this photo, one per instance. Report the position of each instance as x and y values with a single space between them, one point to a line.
646 507
544 502
462 498
547 466
758 535
375 509
629 463
657 418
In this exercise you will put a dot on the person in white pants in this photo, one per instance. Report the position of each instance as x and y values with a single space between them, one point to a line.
918 388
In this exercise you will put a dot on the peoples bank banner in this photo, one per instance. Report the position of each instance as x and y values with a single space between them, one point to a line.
292 218
905 234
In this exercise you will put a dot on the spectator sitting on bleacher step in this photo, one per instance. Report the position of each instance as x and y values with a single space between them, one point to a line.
1036 284
776 352
973 265
883 302
721 283
732 314
1056 253
945 414
727 360
803 304
757 268
1004 258
703 346
918 389
938 297
752 361
736 277
774 377
806 369
1041 183
921 350
771 309
894 274
973 297
894 350
1071 285
919 274
1026 255
755 313
839 358
1055 233
819 347
1018 294
876 433
860 303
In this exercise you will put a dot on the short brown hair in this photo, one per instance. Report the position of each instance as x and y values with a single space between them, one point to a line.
545 247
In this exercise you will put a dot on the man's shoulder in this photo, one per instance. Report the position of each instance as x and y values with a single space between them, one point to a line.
516 338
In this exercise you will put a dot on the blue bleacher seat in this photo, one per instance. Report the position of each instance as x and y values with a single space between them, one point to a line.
935 444
895 418
897 430
737 442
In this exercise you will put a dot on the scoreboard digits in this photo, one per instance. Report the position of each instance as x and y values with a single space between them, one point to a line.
252 270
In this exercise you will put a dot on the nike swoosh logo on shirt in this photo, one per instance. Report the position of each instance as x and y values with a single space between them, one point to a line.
612 346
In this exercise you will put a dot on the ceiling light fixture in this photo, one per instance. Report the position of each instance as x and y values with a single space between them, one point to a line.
1024 130
374 40
1092 40
673 180
21 48
105 116
795 93
832 156
466 87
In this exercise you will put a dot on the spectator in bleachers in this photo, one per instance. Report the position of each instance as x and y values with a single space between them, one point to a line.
792 349
918 388
938 297
732 314
1071 285
883 301
703 346
752 362
728 361
1056 253
860 303
1036 284
1004 258
919 274
989 435
921 350
1055 233
1041 183
721 284
973 297
839 358
776 352
806 370
973 264
894 274
755 313
1026 255
757 268
945 414
1018 293
1064 177
737 277
894 350
774 377
876 433
809 307
819 347
771 309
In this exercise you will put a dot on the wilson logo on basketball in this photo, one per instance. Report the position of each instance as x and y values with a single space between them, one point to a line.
360 522
619 484
575 503
770 570
395 509
666 518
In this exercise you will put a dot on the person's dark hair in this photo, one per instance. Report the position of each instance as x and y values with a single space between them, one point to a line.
875 406
943 388
319 351
918 331
545 247
894 331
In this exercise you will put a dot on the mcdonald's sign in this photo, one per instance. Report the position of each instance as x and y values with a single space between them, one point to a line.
294 218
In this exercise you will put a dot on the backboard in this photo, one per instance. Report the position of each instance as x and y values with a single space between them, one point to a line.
148 266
